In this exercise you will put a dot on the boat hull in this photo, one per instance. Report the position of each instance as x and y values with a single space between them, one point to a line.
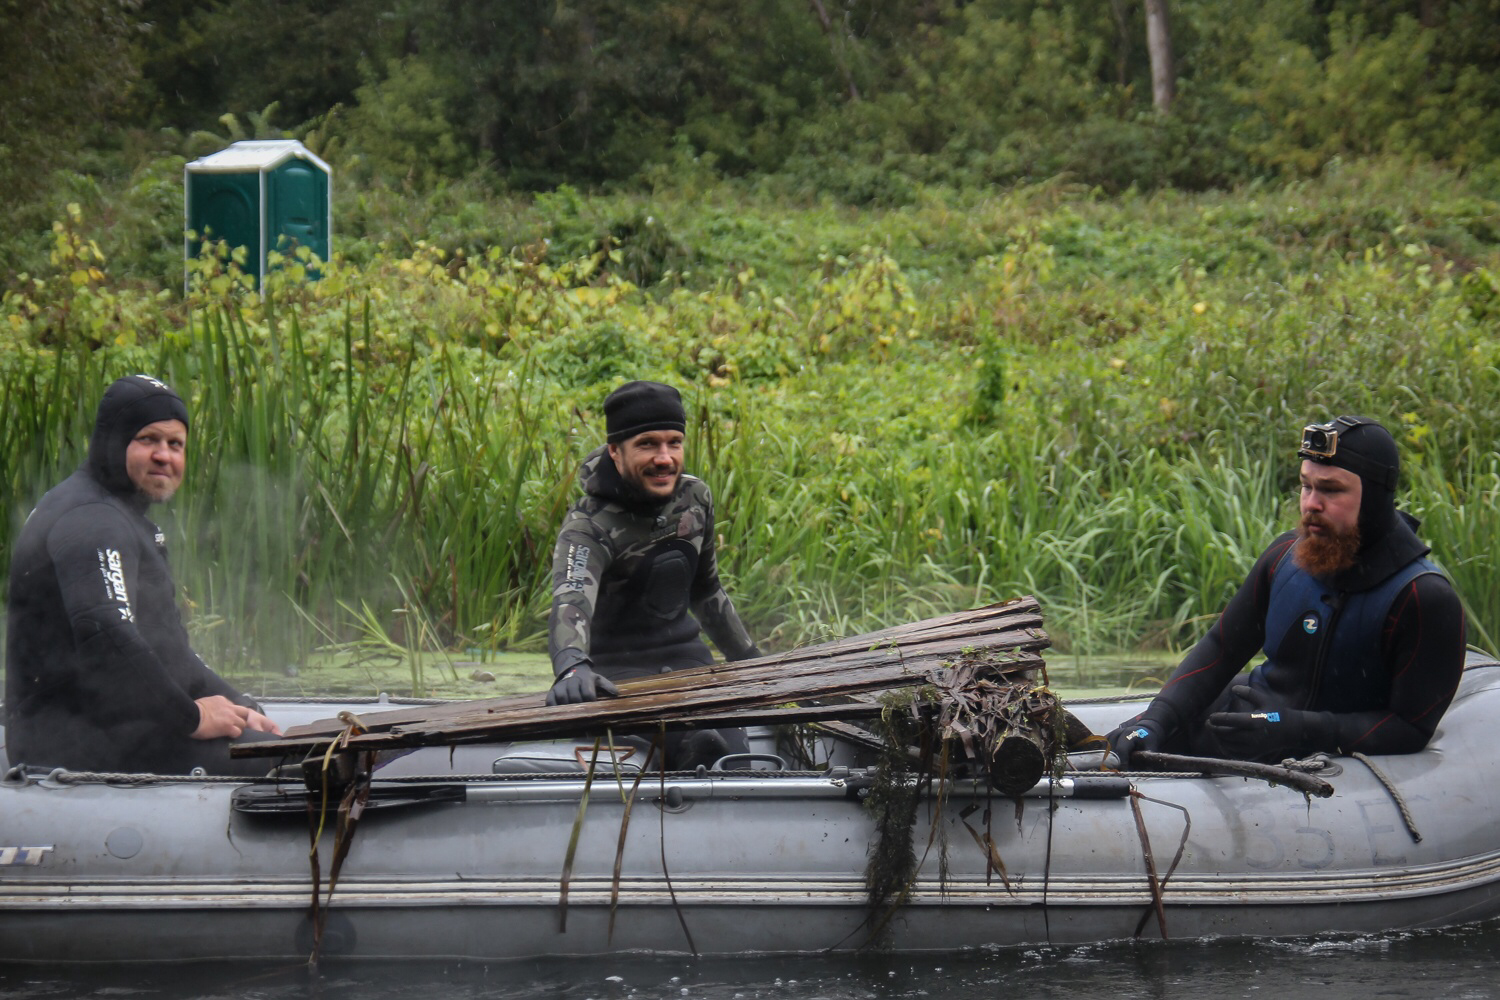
756 863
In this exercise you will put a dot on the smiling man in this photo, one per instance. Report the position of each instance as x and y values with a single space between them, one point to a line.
634 572
1363 635
99 673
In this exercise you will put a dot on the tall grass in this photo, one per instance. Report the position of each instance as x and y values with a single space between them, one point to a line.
1104 418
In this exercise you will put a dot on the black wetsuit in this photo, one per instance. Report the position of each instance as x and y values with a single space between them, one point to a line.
636 579
99 671
634 582
1372 693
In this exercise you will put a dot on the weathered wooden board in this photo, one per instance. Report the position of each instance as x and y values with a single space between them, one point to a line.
746 692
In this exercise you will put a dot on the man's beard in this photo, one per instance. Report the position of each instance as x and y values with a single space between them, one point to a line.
1325 555
635 482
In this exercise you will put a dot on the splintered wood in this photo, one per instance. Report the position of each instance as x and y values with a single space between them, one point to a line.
813 683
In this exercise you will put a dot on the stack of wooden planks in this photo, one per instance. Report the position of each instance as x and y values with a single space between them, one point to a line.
814 683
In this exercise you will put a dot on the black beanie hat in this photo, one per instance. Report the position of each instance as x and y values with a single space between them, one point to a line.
638 407
1365 448
129 404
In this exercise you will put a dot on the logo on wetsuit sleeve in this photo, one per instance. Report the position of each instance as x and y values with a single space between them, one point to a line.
1310 624
578 566
112 567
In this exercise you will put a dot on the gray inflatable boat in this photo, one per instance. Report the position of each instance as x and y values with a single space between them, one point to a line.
472 855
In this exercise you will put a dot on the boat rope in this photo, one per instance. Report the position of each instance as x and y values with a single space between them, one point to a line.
1110 699
20 774
63 776
1390 787
1317 762
365 701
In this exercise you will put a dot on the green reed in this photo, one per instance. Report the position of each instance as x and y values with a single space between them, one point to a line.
384 457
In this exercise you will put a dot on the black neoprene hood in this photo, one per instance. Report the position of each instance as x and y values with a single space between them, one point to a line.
129 404
1366 448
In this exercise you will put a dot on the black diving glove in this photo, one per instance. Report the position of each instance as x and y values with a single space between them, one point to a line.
1138 734
1147 731
1266 732
579 683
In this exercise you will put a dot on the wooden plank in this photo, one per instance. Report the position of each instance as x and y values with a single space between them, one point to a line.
740 693
632 712
1013 623
867 669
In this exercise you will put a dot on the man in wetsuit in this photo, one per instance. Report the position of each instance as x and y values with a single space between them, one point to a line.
1363 635
634 572
99 673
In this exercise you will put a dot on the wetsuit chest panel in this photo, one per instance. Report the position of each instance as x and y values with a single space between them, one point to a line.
645 595
664 580
1324 650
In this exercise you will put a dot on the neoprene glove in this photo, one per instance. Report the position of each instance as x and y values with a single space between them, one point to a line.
1266 732
1138 734
579 683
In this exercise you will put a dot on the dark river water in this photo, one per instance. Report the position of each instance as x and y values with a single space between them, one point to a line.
1459 963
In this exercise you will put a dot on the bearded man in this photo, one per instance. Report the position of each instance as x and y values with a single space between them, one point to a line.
634 572
1363 635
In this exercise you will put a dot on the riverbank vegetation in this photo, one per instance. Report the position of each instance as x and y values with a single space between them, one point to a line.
962 307
901 411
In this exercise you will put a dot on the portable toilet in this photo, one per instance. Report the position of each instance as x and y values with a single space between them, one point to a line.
264 195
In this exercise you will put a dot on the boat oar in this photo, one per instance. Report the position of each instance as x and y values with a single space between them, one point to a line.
1300 780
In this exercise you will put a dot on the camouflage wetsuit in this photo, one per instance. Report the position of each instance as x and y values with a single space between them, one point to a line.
629 575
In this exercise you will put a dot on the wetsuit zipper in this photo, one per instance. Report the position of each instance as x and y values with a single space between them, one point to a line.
1336 605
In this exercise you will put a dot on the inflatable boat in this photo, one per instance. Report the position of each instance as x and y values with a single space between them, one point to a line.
512 852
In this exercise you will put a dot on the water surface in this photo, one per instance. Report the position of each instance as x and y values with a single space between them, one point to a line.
1461 963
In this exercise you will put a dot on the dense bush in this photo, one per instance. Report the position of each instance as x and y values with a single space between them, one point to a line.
867 101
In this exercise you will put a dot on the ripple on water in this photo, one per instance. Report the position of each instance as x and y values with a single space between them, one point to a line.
1456 963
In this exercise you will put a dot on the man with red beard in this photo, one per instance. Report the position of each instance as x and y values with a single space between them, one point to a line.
1363 635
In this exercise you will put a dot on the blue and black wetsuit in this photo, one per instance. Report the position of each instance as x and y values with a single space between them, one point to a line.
1369 659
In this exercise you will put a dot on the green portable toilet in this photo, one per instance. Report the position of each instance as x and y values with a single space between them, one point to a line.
262 194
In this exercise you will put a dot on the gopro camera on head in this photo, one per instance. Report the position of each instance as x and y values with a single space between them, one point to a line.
1320 443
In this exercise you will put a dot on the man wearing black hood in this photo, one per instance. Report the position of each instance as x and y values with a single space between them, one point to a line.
99 673
635 562
1363 635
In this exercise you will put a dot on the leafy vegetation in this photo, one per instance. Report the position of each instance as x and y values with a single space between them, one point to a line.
960 312
901 412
